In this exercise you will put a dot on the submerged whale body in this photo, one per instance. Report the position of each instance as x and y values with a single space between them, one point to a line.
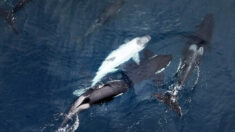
149 67
190 60
9 16
103 18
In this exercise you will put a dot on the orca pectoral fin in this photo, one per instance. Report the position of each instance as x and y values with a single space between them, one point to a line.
162 61
128 66
136 58
169 100
198 75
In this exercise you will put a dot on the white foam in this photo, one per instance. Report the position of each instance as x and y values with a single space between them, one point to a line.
69 128
180 63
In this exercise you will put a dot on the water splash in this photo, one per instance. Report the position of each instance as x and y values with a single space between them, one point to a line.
180 63
70 128
198 75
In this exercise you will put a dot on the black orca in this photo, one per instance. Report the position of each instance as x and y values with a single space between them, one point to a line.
96 95
191 56
107 14
9 16
149 67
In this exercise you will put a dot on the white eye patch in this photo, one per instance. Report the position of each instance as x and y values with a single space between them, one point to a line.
193 47
200 51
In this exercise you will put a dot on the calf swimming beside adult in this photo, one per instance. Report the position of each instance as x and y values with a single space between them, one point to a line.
105 92
192 53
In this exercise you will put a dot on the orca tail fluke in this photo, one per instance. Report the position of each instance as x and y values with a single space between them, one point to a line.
9 17
169 100
64 122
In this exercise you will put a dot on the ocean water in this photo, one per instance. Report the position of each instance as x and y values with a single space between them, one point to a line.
42 66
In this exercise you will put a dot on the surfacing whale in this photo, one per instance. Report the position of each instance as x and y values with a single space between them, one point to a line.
101 93
96 95
190 60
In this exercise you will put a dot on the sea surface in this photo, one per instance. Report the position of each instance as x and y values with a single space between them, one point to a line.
42 66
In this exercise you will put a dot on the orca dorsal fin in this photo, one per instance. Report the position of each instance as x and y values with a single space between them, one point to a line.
136 58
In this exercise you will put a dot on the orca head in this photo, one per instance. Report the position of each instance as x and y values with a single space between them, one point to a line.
142 41
199 49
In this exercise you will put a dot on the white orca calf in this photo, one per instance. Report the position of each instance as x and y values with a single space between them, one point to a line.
121 55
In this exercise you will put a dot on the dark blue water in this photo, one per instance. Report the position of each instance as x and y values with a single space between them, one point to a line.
43 65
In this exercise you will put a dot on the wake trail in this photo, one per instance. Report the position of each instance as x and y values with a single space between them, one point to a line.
70 128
